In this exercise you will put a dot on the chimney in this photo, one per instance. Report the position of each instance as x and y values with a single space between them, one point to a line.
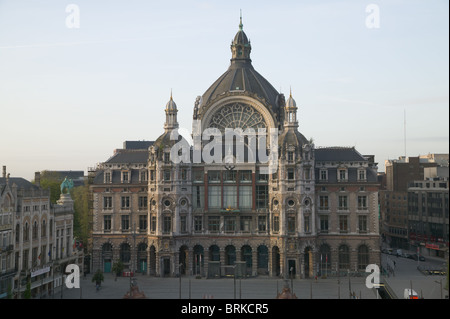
37 179
4 171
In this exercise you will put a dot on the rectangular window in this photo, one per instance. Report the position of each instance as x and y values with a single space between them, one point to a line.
198 223
342 174
125 222
230 223
107 202
343 203
167 158
143 202
107 177
107 223
323 224
290 174
262 196
291 224
343 223
214 197
153 224
290 156
125 176
125 202
262 223
307 173
362 202
183 224
142 222
323 202
167 224
214 176
361 174
213 223
362 224
323 175
198 196
166 175
184 174
143 176
152 175
245 197
230 196
229 176
245 223
245 176
306 224
276 223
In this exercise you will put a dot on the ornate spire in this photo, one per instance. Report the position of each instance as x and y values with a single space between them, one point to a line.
171 114
241 26
240 47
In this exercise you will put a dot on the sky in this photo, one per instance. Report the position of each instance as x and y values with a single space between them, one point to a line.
77 81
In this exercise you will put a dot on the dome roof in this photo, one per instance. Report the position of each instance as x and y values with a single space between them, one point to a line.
171 106
290 103
241 76
292 137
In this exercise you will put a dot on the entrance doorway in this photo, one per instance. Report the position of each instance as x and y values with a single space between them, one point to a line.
291 268
166 267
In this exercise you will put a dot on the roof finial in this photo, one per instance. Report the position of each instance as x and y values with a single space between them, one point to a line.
240 24
171 94
290 91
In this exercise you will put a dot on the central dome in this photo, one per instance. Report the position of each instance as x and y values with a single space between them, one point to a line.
241 76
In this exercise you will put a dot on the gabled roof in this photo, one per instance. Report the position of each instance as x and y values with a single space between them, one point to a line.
338 154
129 156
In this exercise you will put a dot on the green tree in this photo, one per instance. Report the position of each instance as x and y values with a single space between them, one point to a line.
98 277
82 222
52 181
27 292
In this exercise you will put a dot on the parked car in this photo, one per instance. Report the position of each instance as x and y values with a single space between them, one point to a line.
406 255
421 258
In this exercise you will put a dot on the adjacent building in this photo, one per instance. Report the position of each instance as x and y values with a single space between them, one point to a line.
36 238
428 226
278 206
394 197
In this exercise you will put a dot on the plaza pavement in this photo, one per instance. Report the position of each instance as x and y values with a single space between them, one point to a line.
405 276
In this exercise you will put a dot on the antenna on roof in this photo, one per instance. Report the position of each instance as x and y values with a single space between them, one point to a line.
404 129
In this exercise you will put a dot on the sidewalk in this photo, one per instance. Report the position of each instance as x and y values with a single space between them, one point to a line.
224 288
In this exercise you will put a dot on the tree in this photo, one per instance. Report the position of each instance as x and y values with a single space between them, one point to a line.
52 181
27 292
118 267
82 222
98 277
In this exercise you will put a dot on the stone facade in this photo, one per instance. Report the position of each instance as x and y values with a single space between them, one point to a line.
165 217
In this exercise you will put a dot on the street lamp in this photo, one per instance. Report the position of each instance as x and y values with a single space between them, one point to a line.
179 274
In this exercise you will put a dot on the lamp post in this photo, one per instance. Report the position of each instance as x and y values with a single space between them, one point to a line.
179 274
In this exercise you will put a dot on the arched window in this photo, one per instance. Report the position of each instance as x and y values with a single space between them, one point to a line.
363 257
17 233
35 230
44 229
344 257
26 232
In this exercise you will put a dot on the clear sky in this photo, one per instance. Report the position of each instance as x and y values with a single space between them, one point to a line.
70 96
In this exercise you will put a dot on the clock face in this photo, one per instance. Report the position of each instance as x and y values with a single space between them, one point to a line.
237 115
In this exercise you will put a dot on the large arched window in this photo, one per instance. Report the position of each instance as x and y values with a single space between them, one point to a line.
344 257
237 115
363 257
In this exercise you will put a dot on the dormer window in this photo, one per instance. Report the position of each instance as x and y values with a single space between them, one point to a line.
342 175
361 175
125 176
107 177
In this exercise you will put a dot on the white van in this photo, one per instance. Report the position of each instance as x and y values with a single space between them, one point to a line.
410 294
